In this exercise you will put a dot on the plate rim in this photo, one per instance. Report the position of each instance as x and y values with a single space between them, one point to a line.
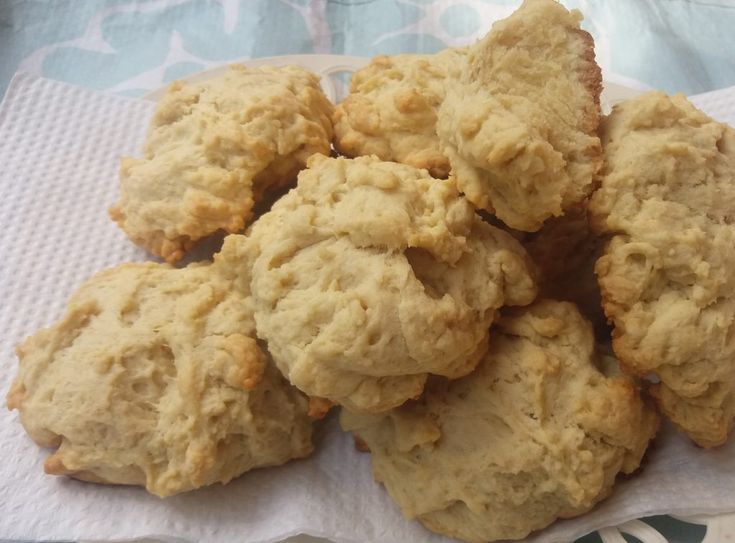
616 88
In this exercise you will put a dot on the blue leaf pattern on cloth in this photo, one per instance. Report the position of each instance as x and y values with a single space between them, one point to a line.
129 46
677 45
27 25
460 20
180 70
140 41
354 31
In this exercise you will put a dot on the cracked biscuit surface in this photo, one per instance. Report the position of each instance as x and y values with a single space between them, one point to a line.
537 432
214 148
392 106
370 275
520 126
153 378
667 282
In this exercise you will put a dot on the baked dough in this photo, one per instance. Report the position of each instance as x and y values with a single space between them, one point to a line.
520 126
535 433
369 275
214 148
153 378
392 106
667 281
565 251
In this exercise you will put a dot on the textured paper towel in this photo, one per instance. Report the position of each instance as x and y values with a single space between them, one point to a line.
59 149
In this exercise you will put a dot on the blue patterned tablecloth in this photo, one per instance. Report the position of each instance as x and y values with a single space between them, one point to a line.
130 47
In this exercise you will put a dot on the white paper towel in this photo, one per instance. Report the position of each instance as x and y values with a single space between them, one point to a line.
59 149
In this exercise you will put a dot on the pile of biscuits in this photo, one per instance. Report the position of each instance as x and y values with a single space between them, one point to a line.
500 288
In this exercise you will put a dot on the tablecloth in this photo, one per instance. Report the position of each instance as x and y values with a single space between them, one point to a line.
132 46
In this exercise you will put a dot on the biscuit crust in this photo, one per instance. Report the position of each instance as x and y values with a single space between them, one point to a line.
153 377
369 275
520 127
666 205
214 149
391 110
537 432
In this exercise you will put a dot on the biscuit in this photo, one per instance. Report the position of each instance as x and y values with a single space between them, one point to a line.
520 126
565 251
213 149
370 275
666 204
153 378
537 432
391 109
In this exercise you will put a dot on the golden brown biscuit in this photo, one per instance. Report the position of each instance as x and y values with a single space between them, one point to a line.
391 109
153 378
537 432
370 275
520 126
667 281
214 148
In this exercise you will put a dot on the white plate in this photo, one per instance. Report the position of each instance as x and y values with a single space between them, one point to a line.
326 66
616 89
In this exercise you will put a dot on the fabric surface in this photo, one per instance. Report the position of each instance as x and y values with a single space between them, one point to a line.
129 47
